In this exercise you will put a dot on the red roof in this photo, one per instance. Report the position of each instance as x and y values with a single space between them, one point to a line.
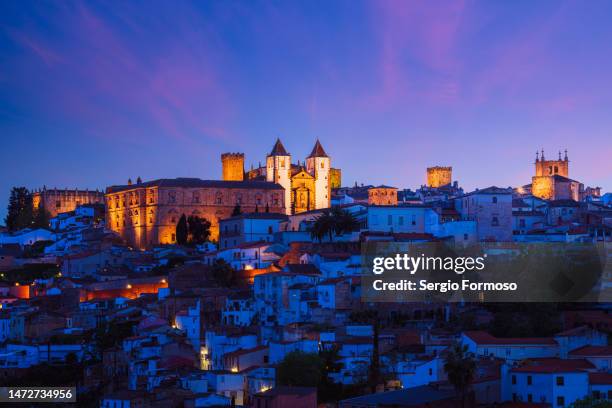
554 365
600 378
592 351
482 337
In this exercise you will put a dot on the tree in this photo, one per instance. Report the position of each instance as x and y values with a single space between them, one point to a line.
182 231
460 367
237 210
300 369
199 230
223 273
345 221
41 217
334 221
19 212
323 225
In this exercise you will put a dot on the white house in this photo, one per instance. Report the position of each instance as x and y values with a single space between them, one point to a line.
250 255
401 218
510 349
491 208
220 342
552 381
248 228
26 236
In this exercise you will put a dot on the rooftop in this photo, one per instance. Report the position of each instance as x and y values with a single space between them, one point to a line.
187 182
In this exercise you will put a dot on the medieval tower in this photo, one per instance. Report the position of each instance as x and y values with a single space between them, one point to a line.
318 165
545 167
439 176
551 180
233 166
278 170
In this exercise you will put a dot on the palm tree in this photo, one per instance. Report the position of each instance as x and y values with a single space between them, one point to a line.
344 221
333 221
460 367
323 225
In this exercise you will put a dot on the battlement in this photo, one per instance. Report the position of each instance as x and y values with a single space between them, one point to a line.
233 166
439 176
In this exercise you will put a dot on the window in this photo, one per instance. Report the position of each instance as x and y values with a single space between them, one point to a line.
269 229
529 380
529 398
196 197
522 223
560 401
389 219
560 380
173 237
172 197
596 394
414 220
514 380
494 200
495 222
465 237
401 220
58 204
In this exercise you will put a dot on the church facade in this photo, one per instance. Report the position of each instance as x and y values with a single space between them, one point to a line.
307 185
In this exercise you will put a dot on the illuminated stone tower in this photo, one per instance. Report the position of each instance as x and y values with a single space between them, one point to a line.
545 167
318 164
439 176
278 170
551 180
233 166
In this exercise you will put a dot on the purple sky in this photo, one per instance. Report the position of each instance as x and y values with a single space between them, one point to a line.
94 93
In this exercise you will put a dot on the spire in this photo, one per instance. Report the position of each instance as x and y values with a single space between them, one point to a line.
565 154
559 155
537 156
317 150
542 155
278 149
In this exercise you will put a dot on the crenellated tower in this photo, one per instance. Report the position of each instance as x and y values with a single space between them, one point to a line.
233 166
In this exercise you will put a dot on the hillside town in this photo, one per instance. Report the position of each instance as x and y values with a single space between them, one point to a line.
246 291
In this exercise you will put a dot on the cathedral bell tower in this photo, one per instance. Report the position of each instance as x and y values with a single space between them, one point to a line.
318 165
278 170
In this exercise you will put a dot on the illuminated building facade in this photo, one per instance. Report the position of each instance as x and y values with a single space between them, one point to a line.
146 213
57 201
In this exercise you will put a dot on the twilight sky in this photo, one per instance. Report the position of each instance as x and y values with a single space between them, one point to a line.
93 93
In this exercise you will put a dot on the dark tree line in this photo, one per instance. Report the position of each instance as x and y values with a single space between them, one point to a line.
21 212
192 230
